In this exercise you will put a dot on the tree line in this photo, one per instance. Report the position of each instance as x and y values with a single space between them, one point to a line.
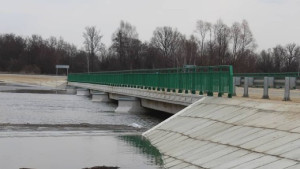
210 44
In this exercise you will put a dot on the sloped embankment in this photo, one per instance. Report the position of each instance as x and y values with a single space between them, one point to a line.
231 133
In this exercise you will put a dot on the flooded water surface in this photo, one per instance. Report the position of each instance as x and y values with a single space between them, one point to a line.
54 131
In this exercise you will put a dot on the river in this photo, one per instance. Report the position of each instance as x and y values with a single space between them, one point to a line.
60 131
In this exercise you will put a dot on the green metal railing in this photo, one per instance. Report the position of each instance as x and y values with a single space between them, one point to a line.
203 79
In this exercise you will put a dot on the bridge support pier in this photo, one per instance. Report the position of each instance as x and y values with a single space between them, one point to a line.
71 90
129 105
233 87
287 89
100 97
266 88
82 92
271 82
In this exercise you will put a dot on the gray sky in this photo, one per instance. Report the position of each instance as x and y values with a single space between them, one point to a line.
271 21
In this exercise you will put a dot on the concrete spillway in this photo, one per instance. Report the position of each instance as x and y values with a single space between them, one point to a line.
231 133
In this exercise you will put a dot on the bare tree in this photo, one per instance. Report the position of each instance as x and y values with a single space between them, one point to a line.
278 57
202 28
236 34
247 40
222 37
167 40
126 44
92 43
291 57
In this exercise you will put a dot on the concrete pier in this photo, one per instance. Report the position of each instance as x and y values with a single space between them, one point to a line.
287 87
82 92
234 86
129 105
266 88
246 85
100 97
231 133
71 90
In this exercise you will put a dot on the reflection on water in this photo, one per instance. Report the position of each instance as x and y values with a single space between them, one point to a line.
72 152
54 131
143 146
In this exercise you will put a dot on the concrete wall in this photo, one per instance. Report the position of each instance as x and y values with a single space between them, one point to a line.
231 133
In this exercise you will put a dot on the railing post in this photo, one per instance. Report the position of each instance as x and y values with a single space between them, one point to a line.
246 83
194 81
233 87
180 81
210 82
220 93
287 89
266 88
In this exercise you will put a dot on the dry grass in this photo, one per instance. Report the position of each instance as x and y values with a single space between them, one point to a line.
41 80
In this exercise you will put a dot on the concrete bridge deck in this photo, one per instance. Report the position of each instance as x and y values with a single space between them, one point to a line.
231 133
157 100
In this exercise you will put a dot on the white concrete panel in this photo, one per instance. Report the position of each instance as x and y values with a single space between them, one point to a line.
224 159
214 131
193 146
201 126
194 152
192 167
283 163
297 166
244 113
224 134
277 143
180 166
293 154
285 148
173 163
238 135
251 137
185 147
225 111
238 161
263 140
257 162
212 156
205 153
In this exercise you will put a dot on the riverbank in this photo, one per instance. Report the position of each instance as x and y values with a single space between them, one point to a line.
39 80
231 133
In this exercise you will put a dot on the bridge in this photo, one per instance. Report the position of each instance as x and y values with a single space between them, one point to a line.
207 132
168 90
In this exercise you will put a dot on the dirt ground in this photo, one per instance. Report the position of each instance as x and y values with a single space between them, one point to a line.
41 80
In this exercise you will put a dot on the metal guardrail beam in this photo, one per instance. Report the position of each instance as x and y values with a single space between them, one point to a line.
267 82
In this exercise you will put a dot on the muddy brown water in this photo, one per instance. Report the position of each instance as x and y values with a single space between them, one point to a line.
54 131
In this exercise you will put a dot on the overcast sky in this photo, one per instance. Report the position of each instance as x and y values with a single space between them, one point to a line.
271 21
